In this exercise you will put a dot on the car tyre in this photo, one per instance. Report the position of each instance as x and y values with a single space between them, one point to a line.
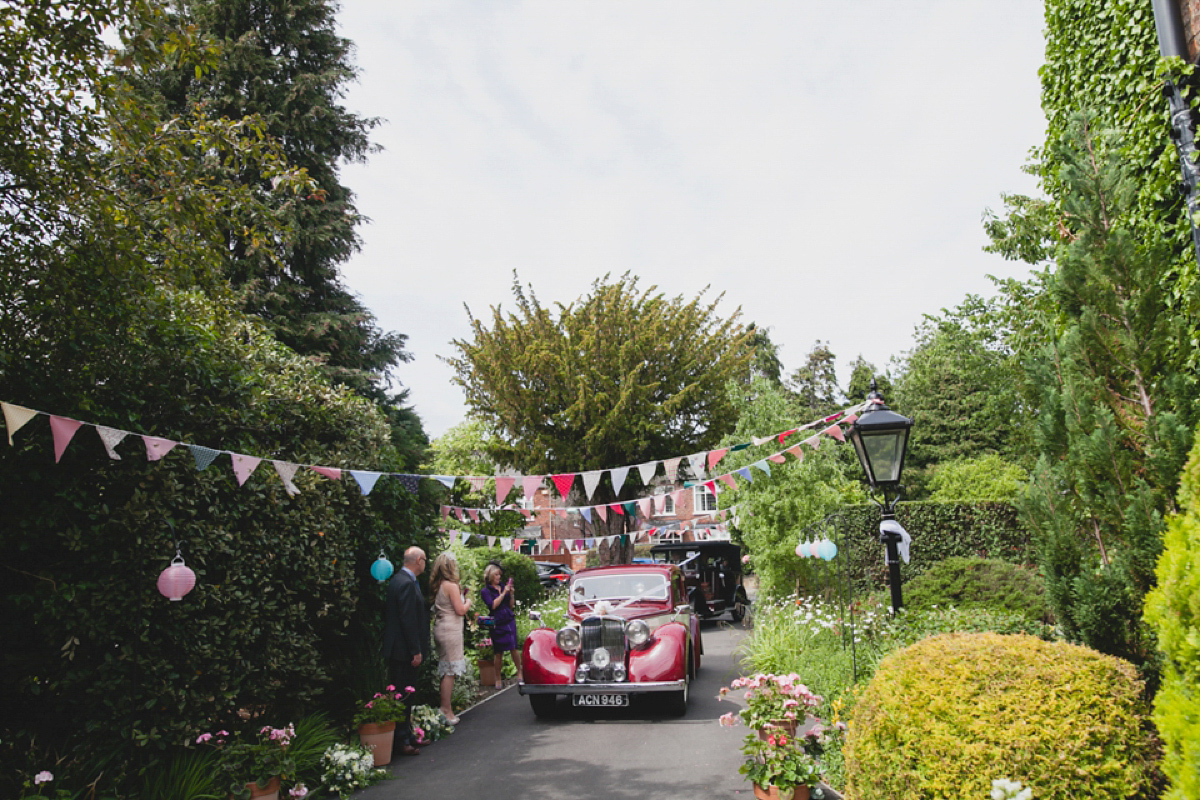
543 705
678 700
740 604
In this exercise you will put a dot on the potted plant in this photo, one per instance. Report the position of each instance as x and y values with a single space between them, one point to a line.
485 655
253 766
773 702
780 766
376 721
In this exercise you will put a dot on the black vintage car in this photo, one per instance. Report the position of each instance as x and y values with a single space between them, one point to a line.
712 571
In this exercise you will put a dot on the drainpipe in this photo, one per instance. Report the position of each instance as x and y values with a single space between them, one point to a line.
1169 23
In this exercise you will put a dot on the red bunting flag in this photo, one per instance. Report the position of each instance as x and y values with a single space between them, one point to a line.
836 432
63 430
714 456
563 483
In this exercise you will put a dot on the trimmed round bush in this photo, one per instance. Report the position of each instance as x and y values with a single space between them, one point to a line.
967 582
945 716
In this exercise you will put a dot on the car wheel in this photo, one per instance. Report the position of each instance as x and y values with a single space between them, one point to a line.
678 700
543 705
740 602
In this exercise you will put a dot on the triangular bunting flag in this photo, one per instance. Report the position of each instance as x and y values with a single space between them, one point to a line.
587 513
617 508
850 419
445 480
204 456
505 543
15 418
677 497
696 460
711 486
111 438
671 465
491 540
64 430
474 512
745 473
647 506
660 503
286 471
478 482
444 511
563 483
504 484
786 434
813 441
410 482
836 432
156 448
243 466
333 473
630 507
763 465
530 484
590 481
760 440
728 480
366 480
715 456
646 471
527 513
603 512
487 515
777 458
617 475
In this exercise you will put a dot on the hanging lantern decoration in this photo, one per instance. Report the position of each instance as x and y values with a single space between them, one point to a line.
802 549
176 580
382 569
828 550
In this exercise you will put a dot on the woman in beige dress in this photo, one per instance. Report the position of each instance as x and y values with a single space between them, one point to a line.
450 605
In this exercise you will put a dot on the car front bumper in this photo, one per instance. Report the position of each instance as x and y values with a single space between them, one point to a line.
601 688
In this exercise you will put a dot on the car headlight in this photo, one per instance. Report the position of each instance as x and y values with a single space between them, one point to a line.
637 633
568 640
600 658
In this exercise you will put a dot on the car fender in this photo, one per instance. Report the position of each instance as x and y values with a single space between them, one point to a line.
542 661
663 658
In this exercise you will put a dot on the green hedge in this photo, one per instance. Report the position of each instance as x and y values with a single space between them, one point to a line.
947 715
938 530
979 583
1173 609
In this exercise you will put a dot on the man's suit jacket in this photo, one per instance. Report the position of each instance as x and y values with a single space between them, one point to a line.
406 620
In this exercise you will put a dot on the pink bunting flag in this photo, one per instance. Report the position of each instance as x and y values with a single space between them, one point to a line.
156 448
474 512
671 465
777 458
444 511
715 456
333 473
647 506
530 484
813 441
504 484
528 514
563 482
243 466
728 480
15 418
602 511
850 419
836 432
478 482
797 451
63 429
660 503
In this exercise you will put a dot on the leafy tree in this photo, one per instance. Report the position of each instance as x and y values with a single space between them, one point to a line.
1116 406
862 372
621 376
986 477
284 63
766 355
815 383
961 385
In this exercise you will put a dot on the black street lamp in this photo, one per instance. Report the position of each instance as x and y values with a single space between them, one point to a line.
880 438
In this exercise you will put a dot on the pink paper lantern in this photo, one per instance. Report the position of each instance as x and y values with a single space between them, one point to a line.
176 580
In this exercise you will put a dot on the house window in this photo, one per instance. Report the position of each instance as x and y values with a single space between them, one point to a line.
703 500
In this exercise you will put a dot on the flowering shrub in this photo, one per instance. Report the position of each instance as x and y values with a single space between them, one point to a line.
348 767
484 650
259 760
778 760
770 698
429 724
385 706
39 782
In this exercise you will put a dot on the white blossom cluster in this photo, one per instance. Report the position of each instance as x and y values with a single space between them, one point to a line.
348 767
1004 789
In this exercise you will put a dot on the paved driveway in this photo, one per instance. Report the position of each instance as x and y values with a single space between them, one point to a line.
500 750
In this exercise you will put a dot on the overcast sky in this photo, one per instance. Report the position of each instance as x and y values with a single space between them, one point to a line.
823 164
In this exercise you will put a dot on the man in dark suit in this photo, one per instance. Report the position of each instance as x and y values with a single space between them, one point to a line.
406 636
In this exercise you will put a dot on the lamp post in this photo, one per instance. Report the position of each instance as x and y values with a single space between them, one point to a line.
880 438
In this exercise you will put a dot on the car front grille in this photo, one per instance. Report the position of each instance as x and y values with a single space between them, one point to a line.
606 632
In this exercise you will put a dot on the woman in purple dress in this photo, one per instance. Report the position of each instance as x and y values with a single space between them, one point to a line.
499 602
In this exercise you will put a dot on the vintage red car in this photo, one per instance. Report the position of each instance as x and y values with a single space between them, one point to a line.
631 631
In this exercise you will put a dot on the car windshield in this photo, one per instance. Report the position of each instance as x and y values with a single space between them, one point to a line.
619 587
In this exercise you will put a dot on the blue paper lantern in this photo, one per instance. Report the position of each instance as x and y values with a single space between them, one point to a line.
828 550
382 569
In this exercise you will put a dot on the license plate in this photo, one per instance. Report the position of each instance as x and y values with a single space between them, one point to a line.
599 700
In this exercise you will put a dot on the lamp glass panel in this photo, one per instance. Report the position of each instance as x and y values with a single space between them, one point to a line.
886 453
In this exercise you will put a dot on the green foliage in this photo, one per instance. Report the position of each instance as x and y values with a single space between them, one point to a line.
1173 609
945 716
979 583
986 477
472 561
815 383
960 385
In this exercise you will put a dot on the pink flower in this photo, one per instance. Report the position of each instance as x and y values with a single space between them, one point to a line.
745 558
782 740
202 738
727 720
391 688
370 704
771 740
43 777
841 726
399 696
409 689
298 791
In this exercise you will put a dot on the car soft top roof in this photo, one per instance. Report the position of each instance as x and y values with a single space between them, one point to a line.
672 547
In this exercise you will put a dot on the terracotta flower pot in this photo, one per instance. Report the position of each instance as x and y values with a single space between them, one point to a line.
378 737
776 793
268 792
487 673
